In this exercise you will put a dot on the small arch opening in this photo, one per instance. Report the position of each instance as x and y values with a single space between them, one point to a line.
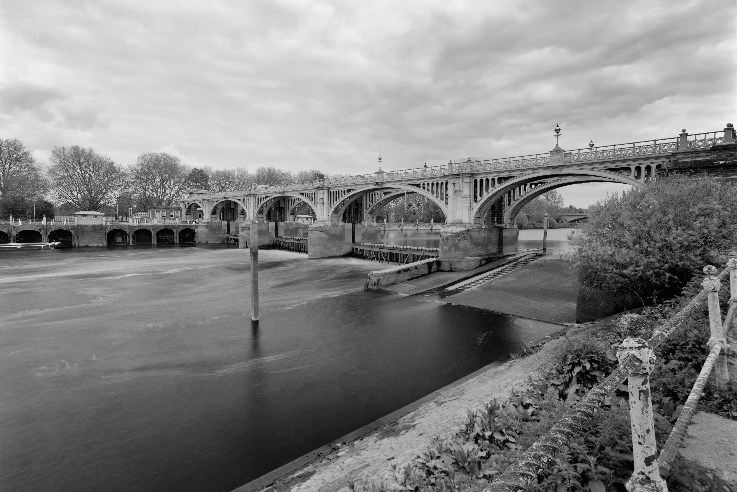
165 236
142 237
187 236
117 237
66 238
28 236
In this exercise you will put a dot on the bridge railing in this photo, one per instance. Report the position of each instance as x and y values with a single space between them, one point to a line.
636 361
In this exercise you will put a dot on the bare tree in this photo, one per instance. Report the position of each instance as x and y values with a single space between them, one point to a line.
158 179
84 178
272 176
20 176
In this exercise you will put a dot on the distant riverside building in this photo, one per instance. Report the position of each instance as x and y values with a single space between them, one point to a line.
162 212
89 217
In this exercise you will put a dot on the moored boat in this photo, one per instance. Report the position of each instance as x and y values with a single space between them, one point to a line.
19 246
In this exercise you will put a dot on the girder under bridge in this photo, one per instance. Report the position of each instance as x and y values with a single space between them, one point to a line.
475 191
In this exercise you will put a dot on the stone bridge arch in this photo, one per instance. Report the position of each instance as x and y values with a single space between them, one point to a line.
240 202
511 212
337 210
4 237
264 203
484 205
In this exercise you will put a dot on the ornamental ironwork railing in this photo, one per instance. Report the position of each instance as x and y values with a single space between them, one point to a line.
636 361
632 150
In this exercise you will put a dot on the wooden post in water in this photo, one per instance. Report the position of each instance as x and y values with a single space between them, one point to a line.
253 249
545 233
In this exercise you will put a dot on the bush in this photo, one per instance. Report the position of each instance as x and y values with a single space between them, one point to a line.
651 241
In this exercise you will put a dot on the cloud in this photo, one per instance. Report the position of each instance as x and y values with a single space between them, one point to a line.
330 85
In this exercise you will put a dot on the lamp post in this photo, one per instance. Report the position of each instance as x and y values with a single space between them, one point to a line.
557 134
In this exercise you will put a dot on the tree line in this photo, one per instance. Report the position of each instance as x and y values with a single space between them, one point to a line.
78 178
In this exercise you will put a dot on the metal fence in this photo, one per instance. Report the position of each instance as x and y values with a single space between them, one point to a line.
636 361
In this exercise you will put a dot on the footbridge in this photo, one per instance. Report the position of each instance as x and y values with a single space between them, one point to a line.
474 194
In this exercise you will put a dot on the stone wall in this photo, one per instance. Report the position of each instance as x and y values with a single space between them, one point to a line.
265 234
89 234
326 240
293 229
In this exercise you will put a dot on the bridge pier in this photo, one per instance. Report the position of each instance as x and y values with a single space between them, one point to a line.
464 247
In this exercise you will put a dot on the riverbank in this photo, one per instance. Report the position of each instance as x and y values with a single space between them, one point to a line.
370 455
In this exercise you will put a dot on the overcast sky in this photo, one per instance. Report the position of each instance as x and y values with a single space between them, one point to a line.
330 85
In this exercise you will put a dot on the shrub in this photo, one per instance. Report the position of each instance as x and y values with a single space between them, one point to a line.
651 241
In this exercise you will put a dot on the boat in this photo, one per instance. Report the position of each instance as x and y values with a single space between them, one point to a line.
17 246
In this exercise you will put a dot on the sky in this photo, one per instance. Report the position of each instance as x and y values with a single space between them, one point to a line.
331 85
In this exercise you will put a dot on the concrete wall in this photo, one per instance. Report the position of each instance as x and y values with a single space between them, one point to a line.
265 234
293 229
395 275
510 236
326 240
462 242
89 235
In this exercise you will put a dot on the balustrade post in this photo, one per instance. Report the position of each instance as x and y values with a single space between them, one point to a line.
683 140
646 476
712 285
729 330
729 137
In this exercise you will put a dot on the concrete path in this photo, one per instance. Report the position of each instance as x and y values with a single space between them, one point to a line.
545 290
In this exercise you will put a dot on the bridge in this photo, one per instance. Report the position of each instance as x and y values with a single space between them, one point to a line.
480 198
575 217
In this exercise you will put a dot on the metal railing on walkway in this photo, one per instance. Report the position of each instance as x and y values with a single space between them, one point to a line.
636 361
393 254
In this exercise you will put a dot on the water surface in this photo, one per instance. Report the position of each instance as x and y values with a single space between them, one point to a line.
139 369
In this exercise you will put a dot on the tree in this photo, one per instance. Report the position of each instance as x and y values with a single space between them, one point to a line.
198 178
550 202
272 176
84 178
158 179
20 176
308 177
223 180
651 241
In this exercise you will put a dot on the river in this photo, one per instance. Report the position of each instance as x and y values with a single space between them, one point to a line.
138 368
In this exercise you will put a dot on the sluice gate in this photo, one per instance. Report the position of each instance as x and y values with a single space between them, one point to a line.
393 254
296 244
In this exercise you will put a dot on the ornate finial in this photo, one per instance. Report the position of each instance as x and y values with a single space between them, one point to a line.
640 349
591 144
711 283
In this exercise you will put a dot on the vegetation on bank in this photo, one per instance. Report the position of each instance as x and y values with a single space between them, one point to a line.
654 242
